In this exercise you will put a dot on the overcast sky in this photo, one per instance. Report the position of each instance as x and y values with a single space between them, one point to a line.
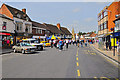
80 15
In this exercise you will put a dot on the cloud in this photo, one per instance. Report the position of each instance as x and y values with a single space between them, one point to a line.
89 19
76 10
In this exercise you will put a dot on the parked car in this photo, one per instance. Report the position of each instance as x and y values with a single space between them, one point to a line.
45 43
34 42
24 48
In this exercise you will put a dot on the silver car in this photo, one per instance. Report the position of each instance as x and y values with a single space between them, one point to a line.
24 48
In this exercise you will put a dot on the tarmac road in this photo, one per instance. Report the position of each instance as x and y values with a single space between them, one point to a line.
52 63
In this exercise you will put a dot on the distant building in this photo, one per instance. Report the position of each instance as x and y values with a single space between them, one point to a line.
73 34
38 30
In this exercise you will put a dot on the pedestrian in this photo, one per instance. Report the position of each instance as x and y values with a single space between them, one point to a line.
81 44
51 41
60 45
67 43
78 42
107 44
86 44
8 42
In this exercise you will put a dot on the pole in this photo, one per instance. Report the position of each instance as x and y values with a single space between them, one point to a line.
114 43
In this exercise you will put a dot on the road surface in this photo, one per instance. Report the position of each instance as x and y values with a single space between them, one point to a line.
82 62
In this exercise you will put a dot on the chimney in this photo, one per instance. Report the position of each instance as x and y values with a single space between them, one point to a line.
58 26
24 10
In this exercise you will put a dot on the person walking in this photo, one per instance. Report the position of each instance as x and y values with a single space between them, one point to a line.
78 42
60 46
81 44
107 44
86 44
67 42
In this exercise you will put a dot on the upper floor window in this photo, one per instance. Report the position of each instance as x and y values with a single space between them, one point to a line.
27 28
18 15
105 13
4 26
105 25
27 18
19 27
99 27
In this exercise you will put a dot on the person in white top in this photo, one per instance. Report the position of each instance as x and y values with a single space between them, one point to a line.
67 43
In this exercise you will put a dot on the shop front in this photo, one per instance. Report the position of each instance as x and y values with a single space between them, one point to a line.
6 39
23 35
40 38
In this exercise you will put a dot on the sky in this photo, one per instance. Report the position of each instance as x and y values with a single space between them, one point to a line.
82 16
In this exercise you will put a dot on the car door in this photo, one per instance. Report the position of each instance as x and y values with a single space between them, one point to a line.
18 46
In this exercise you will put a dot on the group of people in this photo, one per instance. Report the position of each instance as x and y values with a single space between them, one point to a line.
60 43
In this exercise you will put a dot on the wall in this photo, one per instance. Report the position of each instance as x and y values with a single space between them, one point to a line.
113 10
10 27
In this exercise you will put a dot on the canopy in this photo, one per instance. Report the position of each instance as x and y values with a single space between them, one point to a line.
53 37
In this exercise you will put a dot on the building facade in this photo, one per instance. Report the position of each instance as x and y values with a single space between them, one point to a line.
6 31
105 22
22 22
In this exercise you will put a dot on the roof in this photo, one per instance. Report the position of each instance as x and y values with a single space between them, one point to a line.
39 25
15 11
65 31
5 17
53 29
93 35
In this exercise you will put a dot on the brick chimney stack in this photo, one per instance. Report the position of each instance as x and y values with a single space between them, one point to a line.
58 26
24 10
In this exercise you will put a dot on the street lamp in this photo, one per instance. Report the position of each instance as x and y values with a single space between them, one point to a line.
112 29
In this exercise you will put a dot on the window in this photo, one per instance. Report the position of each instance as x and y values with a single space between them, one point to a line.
4 26
102 27
4 23
19 27
27 18
105 13
105 25
99 27
18 15
27 28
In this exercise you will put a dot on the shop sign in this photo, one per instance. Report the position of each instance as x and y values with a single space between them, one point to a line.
4 28
8 34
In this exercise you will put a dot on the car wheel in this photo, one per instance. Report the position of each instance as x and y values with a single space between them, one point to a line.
14 50
23 51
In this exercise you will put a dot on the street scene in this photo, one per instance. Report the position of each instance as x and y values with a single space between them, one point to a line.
72 41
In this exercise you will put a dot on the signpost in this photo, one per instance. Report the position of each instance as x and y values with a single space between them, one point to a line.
112 29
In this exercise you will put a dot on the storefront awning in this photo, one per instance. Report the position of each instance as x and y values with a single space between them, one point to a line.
117 34
8 34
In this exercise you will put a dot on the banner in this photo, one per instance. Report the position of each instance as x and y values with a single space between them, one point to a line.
112 42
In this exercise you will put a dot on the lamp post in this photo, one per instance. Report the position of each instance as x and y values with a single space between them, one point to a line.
112 29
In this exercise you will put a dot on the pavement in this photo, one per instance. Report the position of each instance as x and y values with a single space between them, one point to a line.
107 53
4 51
82 62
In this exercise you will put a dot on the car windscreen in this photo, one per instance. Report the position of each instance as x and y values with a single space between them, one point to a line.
34 41
25 44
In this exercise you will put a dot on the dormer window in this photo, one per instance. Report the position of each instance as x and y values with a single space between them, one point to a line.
27 18
18 15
